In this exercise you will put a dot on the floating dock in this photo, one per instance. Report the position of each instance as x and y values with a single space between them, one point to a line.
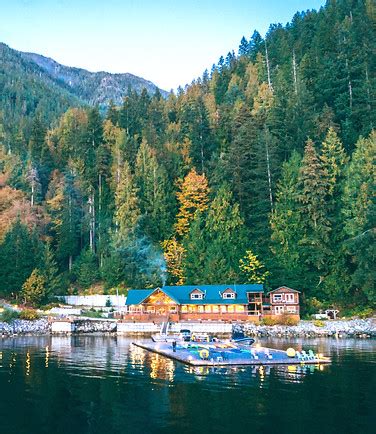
209 355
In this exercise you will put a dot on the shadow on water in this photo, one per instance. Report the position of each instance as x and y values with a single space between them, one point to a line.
93 384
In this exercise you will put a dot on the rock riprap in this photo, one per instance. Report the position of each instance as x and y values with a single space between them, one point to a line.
339 328
24 327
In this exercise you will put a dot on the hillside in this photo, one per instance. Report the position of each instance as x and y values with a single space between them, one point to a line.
92 87
27 90
33 85
260 171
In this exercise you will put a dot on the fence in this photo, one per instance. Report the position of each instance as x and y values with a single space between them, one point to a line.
94 300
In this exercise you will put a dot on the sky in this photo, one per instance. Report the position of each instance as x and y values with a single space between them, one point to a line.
169 42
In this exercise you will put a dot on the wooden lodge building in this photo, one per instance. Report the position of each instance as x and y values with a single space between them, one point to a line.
210 302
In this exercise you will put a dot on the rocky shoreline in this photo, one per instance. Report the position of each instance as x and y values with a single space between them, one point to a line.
354 328
24 327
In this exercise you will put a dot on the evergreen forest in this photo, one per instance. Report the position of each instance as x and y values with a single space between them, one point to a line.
262 170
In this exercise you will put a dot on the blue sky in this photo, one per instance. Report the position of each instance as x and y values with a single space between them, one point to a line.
168 42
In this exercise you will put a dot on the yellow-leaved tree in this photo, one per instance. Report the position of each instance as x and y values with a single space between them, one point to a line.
173 253
253 268
192 197
34 289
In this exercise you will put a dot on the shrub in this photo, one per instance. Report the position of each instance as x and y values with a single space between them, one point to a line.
269 321
50 306
8 315
92 313
358 311
318 323
312 306
366 313
289 320
280 320
29 314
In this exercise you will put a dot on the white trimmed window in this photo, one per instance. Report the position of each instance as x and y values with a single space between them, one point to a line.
289 298
291 309
277 297
228 295
197 296
279 310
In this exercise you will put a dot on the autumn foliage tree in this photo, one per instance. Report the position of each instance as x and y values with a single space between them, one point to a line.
192 197
34 289
253 268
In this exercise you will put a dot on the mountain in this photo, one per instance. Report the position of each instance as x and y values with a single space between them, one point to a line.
265 165
31 84
92 87
27 90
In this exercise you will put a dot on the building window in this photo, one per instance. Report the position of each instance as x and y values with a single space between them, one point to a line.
289 298
184 309
215 308
201 309
279 310
197 296
223 309
228 295
277 297
291 309
208 309
230 309
239 308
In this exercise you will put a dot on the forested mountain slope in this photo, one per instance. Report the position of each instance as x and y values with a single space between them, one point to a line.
261 170
33 85
95 88
27 91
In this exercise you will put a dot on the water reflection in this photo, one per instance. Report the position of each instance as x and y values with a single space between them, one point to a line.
93 356
87 385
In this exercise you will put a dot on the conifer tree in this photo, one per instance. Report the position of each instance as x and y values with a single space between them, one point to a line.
286 220
154 194
64 206
19 254
314 217
87 269
226 237
243 47
127 214
50 271
359 211
195 244
34 289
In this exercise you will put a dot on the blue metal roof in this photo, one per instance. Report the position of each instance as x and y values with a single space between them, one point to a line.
212 294
136 296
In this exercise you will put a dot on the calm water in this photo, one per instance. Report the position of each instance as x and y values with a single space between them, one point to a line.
105 385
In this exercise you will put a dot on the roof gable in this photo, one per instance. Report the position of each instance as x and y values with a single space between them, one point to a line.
197 290
158 296
284 287
227 290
